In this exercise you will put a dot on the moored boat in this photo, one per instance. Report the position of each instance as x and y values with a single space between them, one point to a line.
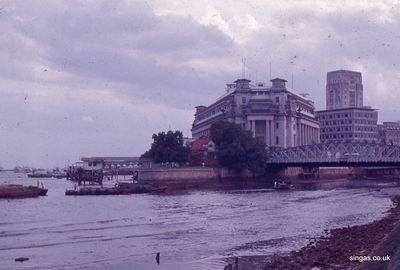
281 185
20 191
129 187
93 191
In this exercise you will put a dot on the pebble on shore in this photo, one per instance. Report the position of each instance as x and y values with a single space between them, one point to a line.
333 251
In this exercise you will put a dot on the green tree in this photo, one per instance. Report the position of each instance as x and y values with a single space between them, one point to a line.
236 148
168 147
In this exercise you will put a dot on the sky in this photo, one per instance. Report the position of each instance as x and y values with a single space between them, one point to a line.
98 78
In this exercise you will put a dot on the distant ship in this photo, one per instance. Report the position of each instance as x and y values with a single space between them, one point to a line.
40 174
59 174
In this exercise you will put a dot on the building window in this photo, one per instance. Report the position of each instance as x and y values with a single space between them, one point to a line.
277 139
277 99
244 100
277 125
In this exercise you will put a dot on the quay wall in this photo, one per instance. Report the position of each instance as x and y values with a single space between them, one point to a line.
300 173
200 177
215 177
378 172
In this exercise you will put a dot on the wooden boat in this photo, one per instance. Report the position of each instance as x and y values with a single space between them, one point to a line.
281 185
129 187
20 191
158 190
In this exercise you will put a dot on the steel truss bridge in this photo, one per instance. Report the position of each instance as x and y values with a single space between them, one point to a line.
337 154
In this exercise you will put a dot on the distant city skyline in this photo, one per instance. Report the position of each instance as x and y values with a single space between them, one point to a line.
99 78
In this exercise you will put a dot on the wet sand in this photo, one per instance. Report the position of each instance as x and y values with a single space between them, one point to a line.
336 248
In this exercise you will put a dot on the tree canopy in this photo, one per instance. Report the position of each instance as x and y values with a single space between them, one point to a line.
168 147
236 148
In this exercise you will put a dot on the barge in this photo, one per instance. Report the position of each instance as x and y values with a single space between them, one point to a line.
120 188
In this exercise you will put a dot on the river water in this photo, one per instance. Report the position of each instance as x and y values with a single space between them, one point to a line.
191 229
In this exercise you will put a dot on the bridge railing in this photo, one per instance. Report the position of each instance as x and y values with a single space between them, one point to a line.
336 153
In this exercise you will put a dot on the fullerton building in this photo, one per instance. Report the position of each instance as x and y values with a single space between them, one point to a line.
274 114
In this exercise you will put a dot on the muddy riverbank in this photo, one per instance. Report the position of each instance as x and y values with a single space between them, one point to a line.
370 246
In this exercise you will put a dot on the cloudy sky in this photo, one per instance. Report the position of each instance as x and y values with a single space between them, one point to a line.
86 78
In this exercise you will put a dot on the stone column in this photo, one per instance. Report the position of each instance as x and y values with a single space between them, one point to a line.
267 132
253 127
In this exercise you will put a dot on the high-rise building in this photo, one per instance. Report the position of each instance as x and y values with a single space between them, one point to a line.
274 114
345 117
344 89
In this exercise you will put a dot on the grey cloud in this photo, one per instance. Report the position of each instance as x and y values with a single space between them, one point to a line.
308 44
64 54
112 43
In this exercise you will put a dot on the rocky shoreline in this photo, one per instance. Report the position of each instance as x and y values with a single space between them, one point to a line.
350 248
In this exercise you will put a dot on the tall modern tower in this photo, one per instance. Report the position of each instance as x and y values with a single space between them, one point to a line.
344 89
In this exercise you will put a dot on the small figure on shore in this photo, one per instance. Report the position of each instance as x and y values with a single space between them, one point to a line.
158 258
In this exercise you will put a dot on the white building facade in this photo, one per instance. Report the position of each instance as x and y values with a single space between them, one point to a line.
274 114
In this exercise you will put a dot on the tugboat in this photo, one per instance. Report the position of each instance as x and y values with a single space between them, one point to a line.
281 185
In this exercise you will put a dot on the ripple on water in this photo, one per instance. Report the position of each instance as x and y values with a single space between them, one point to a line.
192 230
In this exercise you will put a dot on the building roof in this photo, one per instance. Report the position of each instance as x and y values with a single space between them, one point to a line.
278 80
242 80
199 143
344 71
219 101
111 159
348 109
